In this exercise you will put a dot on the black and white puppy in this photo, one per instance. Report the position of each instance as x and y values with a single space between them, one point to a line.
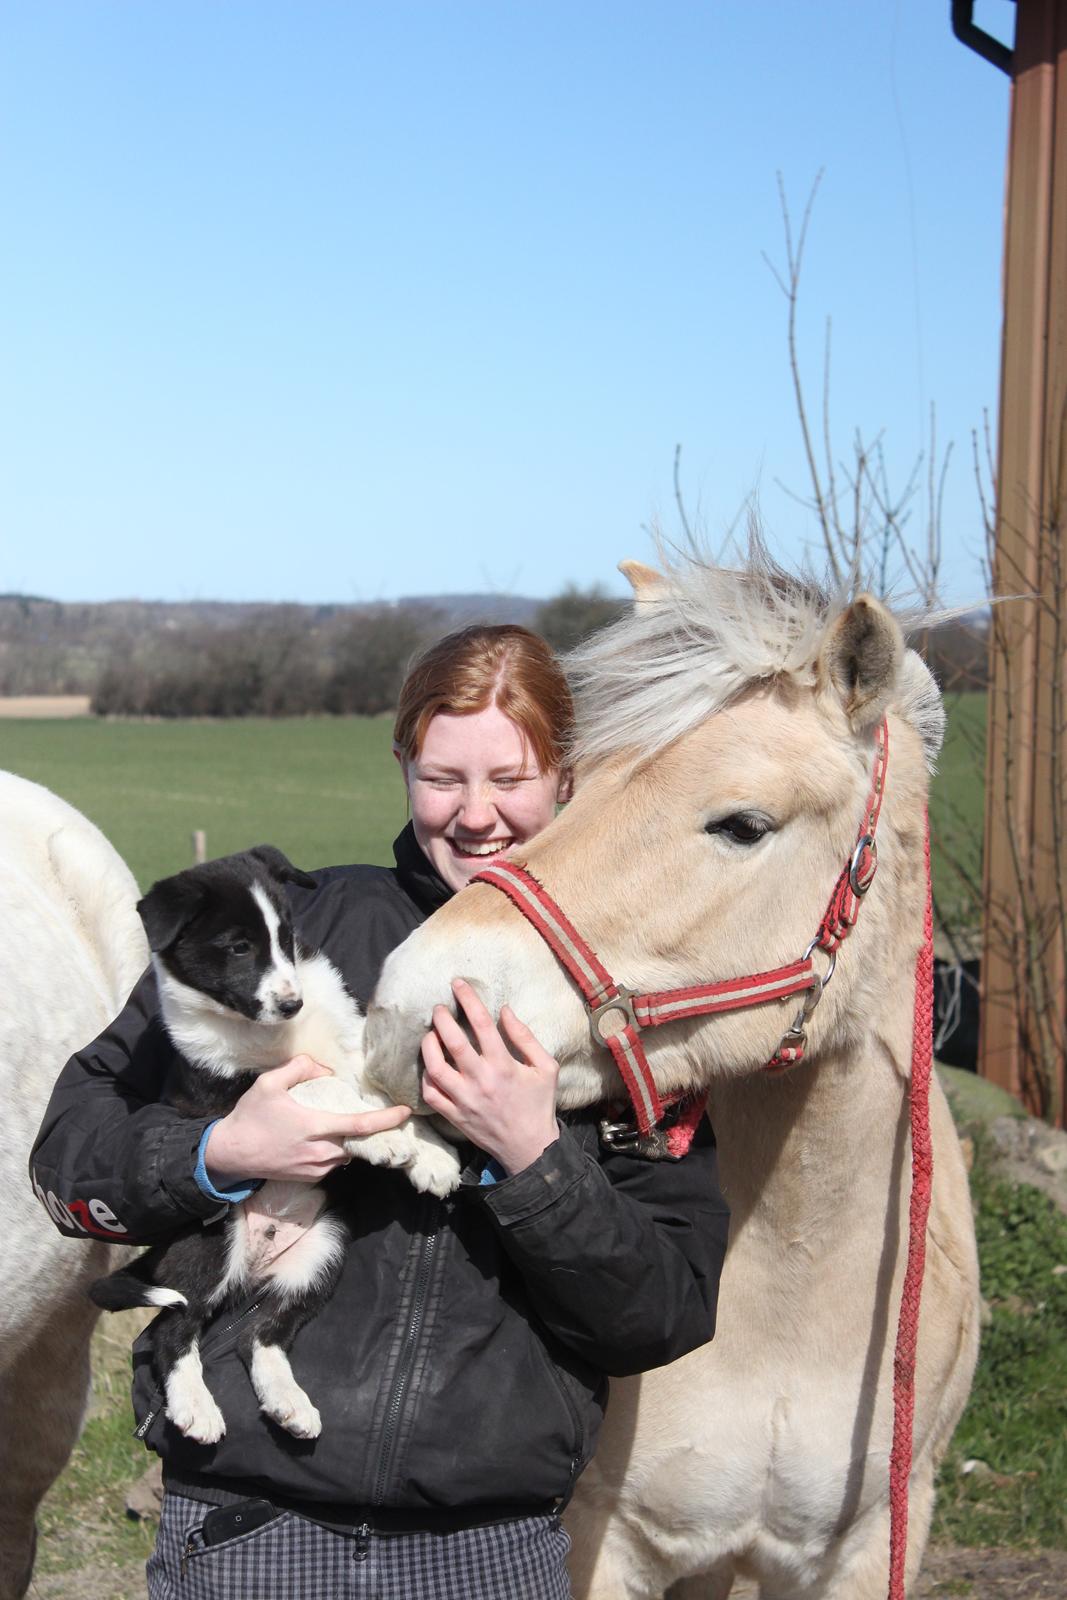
239 995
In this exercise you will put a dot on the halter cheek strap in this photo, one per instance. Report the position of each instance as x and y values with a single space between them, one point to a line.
617 1015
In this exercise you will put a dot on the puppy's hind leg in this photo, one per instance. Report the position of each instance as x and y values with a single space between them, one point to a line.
303 1280
280 1396
190 1404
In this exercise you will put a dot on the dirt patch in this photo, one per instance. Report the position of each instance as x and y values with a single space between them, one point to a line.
44 705
92 1583
993 1574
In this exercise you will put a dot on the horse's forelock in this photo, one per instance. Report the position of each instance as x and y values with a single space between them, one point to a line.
674 661
710 634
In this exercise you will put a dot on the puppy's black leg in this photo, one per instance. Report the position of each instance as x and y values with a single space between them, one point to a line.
295 1297
176 1348
195 1264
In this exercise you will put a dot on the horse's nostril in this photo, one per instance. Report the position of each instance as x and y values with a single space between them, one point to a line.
289 1008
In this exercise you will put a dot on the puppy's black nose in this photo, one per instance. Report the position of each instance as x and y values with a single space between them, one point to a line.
289 1008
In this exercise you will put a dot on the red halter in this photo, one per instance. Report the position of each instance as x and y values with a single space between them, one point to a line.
604 997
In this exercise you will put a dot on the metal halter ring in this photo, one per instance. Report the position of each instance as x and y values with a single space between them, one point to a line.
813 995
858 885
623 1001
795 1036
821 983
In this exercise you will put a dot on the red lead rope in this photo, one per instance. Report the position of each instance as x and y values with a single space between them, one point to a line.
922 1177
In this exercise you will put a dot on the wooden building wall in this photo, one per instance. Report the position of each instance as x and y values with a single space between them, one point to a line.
1024 1019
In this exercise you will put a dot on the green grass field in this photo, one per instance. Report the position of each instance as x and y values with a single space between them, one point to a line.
327 790
323 789
957 810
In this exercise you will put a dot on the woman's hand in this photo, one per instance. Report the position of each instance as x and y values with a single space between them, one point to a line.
503 1100
268 1134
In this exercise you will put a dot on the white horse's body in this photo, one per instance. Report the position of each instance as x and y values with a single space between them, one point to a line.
731 706
71 951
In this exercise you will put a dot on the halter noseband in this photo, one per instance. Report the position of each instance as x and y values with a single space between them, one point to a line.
605 998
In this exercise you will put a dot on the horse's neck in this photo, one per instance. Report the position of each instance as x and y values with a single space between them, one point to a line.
817 1155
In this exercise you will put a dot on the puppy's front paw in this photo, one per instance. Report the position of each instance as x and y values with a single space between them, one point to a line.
430 1162
391 1148
434 1167
335 1094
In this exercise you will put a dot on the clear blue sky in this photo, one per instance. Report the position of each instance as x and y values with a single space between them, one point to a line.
340 301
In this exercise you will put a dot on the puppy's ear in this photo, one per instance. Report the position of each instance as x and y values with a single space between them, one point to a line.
280 867
168 907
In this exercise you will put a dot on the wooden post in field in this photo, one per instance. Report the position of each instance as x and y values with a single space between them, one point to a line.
1024 1008
199 845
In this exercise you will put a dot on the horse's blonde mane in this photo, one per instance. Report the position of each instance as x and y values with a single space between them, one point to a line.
710 633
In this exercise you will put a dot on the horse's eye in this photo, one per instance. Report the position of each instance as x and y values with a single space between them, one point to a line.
740 826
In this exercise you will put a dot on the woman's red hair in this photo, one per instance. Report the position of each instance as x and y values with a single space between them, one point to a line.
502 665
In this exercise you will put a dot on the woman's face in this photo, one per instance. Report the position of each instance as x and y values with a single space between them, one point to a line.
475 790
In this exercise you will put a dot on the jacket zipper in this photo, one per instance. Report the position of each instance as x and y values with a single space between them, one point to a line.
151 1414
572 1411
405 1365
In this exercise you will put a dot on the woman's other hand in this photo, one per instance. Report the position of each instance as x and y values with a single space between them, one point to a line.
268 1134
500 1090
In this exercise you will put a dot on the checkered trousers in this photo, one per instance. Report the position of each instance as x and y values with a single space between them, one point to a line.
294 1559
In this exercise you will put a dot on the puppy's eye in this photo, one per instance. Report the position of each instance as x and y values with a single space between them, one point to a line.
742 827
239 947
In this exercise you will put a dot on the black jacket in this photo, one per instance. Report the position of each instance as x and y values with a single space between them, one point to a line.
460 1366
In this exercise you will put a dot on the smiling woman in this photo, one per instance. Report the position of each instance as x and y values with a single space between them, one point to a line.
482 728
460 1362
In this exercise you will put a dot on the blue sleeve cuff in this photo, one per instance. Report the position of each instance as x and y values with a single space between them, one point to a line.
233 1196
492 1172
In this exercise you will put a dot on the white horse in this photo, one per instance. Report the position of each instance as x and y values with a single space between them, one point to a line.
727 737
72 949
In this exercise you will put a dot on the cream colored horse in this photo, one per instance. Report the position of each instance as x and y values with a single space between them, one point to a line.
725 756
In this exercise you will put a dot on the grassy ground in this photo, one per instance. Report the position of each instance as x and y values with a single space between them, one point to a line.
1004 1480
83 1526
323 789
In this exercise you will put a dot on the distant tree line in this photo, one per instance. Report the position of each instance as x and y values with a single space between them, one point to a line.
218 660
275 665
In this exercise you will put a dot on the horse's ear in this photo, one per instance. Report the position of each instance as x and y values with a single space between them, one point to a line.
647 584
860 660
167 907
